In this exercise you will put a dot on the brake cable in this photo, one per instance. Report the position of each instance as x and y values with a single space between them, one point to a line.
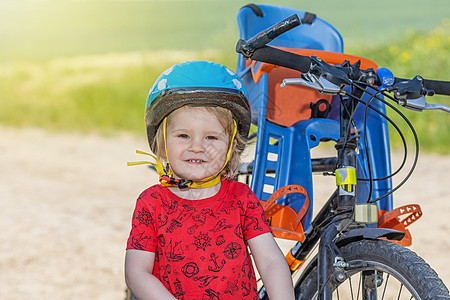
416 157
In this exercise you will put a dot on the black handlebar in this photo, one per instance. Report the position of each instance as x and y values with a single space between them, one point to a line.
256 48
264 37
282 58
439 87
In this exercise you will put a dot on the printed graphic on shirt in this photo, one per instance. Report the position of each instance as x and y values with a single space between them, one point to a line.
200 246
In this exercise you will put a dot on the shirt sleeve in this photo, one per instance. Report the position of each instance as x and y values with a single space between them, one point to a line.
254 221
143 234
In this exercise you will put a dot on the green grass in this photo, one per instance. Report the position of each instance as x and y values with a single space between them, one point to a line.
96 93
42 30
428 56
92 71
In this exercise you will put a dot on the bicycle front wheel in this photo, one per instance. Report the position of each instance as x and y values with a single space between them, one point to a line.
390 272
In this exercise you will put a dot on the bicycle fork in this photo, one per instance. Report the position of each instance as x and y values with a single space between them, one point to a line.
324 263
332 267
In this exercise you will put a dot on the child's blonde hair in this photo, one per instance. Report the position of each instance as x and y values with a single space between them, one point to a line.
225 118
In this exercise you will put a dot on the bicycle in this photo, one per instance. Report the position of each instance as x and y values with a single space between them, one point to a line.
333 97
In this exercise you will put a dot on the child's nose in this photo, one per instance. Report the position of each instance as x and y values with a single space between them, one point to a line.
197 145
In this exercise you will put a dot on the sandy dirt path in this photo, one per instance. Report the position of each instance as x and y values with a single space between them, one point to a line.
66 203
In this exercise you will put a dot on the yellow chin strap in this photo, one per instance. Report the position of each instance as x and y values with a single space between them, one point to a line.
165 173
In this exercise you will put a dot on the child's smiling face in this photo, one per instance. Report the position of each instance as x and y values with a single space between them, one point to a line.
197 144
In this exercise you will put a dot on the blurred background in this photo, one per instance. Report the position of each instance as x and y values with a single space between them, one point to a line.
74 77
88 65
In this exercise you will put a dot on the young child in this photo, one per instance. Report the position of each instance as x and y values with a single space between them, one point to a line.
191 233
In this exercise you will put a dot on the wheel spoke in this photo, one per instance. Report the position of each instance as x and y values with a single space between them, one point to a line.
385 285
351 287
359 286
400 292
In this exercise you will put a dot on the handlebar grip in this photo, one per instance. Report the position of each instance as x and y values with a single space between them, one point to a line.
438 86
270 33
282 58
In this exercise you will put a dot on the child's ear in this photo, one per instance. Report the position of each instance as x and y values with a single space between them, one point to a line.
234 143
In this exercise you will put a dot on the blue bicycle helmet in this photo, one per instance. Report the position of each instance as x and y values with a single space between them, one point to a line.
197 83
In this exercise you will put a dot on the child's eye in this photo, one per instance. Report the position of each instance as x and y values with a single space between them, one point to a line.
183 136
211 137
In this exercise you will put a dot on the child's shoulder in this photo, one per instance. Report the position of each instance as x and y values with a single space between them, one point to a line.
237 186
155 192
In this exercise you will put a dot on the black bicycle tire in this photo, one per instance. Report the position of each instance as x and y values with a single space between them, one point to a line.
413 268
129 295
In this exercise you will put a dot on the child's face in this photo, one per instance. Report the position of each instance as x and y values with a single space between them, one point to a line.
197 144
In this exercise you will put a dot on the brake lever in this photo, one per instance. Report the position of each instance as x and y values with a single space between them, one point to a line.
318 83
411 94
323 77
420 104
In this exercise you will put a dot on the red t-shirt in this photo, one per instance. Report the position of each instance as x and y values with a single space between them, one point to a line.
200 245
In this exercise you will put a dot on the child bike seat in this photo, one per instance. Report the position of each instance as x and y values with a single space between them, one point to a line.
288 127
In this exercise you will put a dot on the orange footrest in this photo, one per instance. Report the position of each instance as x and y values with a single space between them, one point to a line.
284 221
